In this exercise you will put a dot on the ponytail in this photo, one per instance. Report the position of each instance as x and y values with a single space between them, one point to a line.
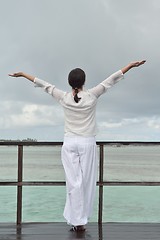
76 98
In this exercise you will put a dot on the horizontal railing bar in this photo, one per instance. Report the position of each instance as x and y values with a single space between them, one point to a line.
62 183
131 183
30 143
15 143
127 143
8 183
39 183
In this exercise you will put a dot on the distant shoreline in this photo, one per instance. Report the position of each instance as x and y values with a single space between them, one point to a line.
18 140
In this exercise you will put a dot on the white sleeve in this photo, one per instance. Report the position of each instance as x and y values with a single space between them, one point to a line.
49 88
107 83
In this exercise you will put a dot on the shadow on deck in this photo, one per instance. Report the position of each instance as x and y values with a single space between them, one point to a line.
60 231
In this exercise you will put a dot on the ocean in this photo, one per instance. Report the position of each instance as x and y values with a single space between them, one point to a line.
46 203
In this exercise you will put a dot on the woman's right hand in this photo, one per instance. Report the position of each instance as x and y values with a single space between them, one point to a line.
22 74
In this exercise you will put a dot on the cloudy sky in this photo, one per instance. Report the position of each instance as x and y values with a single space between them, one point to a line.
48 38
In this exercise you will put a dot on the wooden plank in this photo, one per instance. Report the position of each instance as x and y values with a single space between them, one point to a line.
132 231
110 231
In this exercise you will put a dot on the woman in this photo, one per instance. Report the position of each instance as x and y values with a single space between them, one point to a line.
79 152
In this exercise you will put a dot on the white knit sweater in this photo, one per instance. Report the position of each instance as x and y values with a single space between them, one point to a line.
80 117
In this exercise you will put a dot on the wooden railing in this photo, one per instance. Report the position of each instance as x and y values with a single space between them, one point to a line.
101 183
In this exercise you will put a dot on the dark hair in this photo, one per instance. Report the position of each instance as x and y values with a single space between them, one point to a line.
76 80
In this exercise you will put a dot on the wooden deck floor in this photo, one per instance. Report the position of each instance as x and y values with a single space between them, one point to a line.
60 231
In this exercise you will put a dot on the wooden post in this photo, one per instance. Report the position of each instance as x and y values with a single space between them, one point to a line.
19 184
101 160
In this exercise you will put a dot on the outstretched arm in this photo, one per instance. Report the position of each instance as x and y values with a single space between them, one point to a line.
21 74
48 88
132 65
114 78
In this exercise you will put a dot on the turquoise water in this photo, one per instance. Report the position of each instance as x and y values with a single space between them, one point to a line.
121 204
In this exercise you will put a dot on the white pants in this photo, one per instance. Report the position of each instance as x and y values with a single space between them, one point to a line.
79 158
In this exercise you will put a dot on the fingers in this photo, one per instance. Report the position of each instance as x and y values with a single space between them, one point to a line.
19 74
138 63
11 74
142 62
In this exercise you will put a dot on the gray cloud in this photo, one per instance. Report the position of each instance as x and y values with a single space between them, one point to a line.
49 38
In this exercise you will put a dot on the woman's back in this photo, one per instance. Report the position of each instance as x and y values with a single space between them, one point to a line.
80 117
